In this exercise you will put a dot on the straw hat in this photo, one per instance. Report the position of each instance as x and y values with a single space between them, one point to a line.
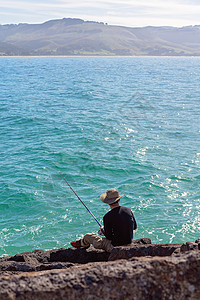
111 196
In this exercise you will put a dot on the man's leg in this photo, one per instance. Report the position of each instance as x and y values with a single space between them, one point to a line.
97 241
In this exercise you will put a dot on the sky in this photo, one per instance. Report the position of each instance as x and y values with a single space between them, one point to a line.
133 13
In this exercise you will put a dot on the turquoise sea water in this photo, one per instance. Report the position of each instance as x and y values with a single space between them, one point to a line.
130 123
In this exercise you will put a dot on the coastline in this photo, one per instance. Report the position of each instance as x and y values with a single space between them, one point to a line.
109 56
140 271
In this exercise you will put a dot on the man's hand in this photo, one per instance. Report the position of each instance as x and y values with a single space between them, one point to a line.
101 231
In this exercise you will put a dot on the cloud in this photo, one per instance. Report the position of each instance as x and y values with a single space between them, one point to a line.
117 12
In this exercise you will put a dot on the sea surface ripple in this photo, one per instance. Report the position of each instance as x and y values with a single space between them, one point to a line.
127 122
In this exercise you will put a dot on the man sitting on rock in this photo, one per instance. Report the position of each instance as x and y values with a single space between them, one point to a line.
119 226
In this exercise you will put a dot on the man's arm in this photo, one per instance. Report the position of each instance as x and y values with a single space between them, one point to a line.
134 222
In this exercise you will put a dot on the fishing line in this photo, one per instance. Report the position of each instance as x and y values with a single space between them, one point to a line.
80 200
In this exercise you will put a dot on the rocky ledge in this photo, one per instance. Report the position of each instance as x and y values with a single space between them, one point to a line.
140 271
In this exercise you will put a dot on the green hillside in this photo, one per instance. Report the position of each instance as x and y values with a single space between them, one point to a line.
78 37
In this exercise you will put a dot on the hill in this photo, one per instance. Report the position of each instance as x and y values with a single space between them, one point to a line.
78 37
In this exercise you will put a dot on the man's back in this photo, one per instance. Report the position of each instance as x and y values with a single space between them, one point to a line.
119 224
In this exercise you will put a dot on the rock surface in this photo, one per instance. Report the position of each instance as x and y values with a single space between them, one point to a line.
140 271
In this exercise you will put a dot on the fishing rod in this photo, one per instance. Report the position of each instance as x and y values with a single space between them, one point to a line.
80 200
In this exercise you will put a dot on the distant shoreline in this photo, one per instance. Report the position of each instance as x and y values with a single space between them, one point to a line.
76 37
113 56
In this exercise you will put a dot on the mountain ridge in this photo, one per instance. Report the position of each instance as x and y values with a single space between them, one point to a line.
72 36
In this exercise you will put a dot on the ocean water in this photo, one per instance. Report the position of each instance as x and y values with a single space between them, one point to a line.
127 122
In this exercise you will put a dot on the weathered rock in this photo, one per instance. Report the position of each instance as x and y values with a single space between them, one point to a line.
198 242
171 277
139 271
143 241
81 256
142 247
17 266
189 246
53 266
143 250
31 257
